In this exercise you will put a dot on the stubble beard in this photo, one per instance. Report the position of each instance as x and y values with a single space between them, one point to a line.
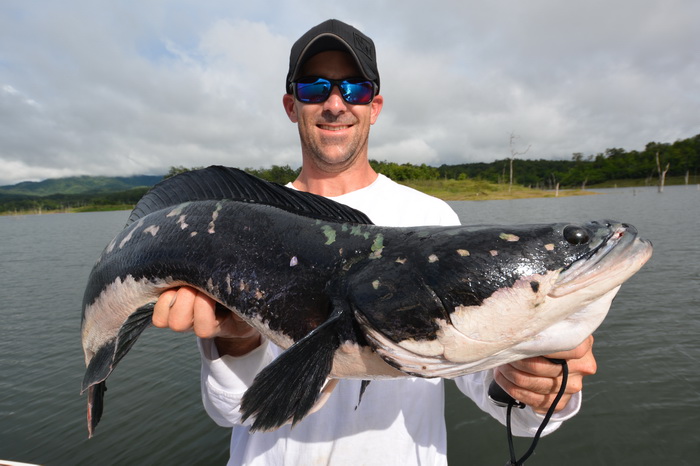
333 157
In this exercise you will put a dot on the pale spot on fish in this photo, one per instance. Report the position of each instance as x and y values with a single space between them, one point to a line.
214 216
153 230
378 244
181 222
401 260
356 230
375 284
509 237
493 252
111 245
229 290
463 252
194 233
293 261
131 234
549 247
433 258
329 232
177 210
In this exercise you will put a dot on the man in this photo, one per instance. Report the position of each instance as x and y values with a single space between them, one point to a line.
333 97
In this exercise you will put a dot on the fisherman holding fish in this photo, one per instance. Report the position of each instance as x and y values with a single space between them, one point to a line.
332 94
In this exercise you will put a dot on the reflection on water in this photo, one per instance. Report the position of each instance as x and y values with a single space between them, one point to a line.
641 407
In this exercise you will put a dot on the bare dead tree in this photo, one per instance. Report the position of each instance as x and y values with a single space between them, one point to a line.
662 174
513 153
555 185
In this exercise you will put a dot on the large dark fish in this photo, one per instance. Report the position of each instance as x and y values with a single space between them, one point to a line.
346 298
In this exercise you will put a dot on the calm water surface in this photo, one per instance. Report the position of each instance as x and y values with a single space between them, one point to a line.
642 408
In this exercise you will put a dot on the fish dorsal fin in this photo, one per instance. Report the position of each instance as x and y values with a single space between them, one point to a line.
217 182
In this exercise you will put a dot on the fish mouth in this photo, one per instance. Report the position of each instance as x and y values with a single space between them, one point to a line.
617 253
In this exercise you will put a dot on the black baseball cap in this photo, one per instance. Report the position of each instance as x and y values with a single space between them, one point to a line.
333 35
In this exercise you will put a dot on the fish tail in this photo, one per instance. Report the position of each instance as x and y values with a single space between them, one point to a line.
288 387
96 394
106 359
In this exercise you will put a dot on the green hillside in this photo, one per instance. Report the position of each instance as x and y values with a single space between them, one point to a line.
80 185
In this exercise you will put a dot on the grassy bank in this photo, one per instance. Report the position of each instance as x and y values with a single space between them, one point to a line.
648 182
70 210
477 190
449 190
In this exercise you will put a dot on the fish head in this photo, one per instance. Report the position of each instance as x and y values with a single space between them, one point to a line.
478 297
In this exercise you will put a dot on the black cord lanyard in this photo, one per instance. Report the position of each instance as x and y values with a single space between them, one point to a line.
547 417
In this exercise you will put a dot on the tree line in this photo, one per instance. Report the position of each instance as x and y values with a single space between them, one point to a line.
20 203
682 158
679 159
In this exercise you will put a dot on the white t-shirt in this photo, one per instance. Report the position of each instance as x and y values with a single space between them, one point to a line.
399 422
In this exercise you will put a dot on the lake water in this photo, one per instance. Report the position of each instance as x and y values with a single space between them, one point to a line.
641 408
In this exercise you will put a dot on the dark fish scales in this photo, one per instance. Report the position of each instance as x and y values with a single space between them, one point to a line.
346 298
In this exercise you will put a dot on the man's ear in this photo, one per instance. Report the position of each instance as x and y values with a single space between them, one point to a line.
289 107
376 108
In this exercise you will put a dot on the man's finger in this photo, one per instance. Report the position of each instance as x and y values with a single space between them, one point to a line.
206 324
162 308
181 315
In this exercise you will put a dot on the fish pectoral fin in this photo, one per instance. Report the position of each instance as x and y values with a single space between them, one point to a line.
106 359
289 387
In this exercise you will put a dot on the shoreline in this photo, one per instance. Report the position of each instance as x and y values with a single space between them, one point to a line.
447 190
521 193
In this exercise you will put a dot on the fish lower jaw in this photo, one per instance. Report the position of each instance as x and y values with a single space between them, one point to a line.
570 332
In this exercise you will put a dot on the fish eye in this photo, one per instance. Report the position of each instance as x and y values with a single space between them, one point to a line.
576 235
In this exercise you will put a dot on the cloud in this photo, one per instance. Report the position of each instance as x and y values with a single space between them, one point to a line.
98 87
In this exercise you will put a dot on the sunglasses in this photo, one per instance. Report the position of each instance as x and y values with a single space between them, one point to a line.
313 90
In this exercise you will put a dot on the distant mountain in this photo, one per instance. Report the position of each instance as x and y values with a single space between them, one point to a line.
80 185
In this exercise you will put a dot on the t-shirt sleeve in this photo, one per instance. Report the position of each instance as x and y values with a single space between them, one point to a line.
225 379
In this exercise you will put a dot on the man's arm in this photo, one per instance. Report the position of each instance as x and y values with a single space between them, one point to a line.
185 309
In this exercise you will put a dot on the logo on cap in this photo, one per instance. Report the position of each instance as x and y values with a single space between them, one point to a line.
363 44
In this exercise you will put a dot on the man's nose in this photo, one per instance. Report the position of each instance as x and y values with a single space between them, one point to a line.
335 102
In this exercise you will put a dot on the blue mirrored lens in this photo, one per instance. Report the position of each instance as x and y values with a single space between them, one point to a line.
313 92
357 92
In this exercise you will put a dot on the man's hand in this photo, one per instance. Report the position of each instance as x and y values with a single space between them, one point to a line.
185 309
536 381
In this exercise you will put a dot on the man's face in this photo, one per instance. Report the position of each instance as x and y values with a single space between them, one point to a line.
333 133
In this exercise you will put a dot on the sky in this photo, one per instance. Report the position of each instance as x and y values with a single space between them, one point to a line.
98 87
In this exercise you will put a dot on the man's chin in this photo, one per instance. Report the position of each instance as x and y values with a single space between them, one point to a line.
334 163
